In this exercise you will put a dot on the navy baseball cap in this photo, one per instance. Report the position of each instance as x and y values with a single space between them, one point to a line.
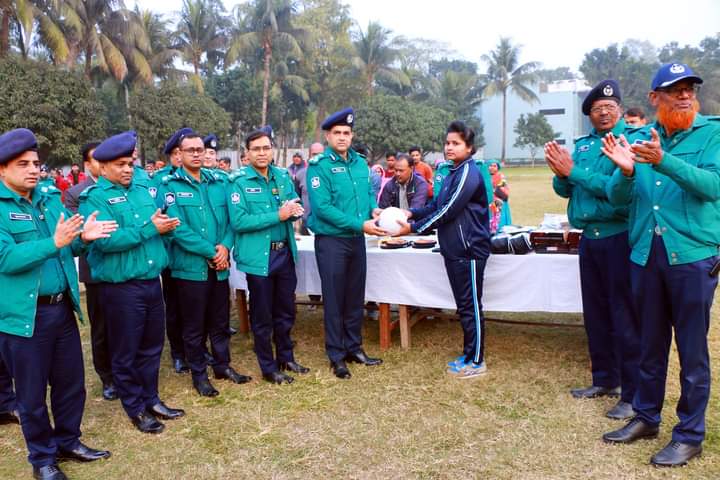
671 73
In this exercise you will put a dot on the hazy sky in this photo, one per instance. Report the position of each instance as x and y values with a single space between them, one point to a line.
554 32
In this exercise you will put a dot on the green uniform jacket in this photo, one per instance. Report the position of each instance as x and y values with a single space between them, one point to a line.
589 207
679 197
443 170
135 251
341 194
23 251
191 247
253 214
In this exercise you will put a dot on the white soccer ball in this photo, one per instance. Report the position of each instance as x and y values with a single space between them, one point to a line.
388 220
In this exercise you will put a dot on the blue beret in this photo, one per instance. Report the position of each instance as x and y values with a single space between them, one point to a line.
604 89
16 142
343 117
174 141
211 141
671 73
268 129
117 146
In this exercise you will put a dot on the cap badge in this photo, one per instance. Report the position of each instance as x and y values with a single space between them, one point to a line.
677 68
608 91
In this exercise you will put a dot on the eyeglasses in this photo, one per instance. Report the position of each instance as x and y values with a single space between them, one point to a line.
265 148
610 108
193 151
679 90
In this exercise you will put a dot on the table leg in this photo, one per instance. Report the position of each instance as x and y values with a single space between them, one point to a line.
242 311
385 329
404 326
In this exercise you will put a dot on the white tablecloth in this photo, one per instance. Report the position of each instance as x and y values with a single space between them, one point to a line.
408 276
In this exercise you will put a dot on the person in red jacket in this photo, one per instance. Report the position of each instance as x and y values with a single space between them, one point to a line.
76 175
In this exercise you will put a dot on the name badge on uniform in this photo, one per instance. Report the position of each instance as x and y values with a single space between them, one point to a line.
153 191
337 169
584 148
20 216
253 190
184 194
235 198
113 201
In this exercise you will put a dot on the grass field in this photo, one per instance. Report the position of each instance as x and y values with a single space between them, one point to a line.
405 419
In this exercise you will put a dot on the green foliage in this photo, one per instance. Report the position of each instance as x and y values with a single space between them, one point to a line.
391 124
555 74
633 73
59 106
158 112
239 92
533 132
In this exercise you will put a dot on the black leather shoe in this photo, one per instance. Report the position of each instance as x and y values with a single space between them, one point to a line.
109 392
232 330
82 453
675 454
147 423
621 411
205 388
634 430
293 367
9 417
340 369
278 377
49 472
180 365
166 413
230 374
594 392
361 357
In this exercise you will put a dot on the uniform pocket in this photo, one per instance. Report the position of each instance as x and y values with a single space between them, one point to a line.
23 230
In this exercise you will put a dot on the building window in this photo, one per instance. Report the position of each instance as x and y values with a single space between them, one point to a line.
552 111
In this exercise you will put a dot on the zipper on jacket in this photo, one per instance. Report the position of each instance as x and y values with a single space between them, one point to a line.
462 237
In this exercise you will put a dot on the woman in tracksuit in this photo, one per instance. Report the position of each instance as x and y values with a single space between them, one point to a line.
460 214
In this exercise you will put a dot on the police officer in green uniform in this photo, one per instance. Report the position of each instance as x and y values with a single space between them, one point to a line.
45 179
129 265
39 337
173 313
263 205
199 263
611 324
343 208
672 184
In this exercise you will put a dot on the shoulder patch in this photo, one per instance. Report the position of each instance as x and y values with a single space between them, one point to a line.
86 192
314 160
153 191
169 198
235 198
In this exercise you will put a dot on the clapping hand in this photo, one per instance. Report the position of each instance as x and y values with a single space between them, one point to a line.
648 152
618 150
67 230
163 223
558 159
95 229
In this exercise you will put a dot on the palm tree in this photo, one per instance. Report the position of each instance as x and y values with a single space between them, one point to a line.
22 15
375 55
200 36
269 30
504 73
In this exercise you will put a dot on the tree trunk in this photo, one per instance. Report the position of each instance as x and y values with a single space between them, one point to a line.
5 33
504 120
127 104
88 61
320 117
266 80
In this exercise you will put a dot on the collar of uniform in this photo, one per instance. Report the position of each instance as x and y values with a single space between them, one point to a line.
469 159
617 130
335 157
182 174
36 197
251 173
700 121
106 184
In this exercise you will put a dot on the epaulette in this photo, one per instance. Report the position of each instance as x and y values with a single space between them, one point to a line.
86 192
166 179
50 190
237 174
577 139
713 118
316 159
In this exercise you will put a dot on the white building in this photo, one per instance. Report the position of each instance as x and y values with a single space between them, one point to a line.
561 104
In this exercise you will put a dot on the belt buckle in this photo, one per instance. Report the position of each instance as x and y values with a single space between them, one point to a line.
658 231
59 297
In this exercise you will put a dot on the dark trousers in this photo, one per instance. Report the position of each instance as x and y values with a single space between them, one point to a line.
675 297
611 324
466 282
206 313
173 316
98 333
7 392
52 356
342 266
272 310
135 319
